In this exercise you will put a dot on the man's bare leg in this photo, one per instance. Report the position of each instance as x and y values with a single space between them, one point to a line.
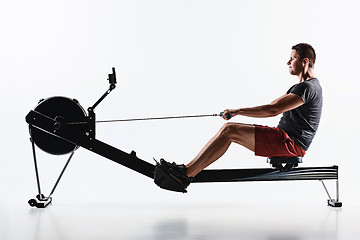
242 134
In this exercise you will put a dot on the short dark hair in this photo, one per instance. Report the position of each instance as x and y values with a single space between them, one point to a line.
305 50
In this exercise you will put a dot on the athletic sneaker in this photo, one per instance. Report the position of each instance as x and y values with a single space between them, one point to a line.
178 172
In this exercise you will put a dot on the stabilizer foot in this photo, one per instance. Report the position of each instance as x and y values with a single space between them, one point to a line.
40 201
334 203
165 181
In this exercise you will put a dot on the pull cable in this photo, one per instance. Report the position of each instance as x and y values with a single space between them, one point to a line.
154 118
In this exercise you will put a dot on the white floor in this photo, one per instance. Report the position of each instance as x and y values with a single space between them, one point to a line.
173 221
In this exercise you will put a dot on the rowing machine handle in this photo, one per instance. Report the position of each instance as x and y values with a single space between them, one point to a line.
228 115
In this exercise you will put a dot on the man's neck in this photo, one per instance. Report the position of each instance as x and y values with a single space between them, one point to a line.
304 76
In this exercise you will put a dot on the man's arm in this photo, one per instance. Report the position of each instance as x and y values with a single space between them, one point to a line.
285 103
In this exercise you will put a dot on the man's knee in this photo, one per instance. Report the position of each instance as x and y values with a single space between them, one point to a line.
228 129
242 134
236 131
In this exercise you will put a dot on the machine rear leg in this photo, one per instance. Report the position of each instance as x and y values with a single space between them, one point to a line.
40 201
331 201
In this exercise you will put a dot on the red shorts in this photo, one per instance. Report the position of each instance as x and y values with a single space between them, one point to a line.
275 142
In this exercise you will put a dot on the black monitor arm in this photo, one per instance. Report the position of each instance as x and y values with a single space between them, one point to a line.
112 82
91 113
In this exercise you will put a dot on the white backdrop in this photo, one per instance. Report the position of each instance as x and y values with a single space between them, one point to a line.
172 58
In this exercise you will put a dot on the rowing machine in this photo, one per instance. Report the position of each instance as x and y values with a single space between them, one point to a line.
59 126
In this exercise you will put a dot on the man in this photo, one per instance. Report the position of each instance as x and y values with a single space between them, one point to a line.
301 108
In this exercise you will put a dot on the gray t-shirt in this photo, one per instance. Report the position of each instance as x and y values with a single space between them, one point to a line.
301 123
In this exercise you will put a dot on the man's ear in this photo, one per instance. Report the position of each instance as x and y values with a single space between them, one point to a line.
305 61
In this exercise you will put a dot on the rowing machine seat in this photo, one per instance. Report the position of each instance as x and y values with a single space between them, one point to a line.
277 162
